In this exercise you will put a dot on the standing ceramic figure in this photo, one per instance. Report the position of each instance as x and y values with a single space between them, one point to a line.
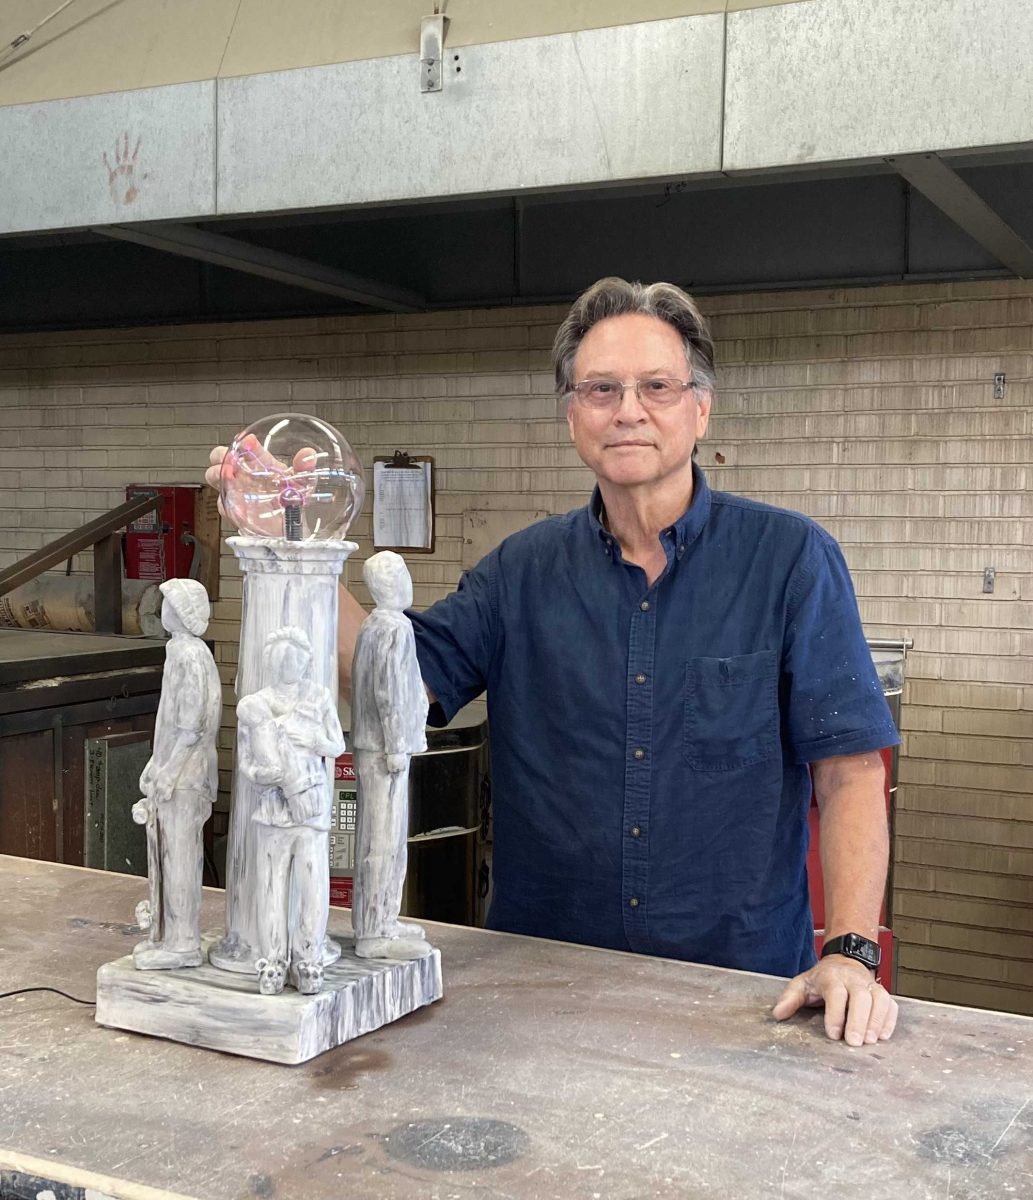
179 783
389 719
286 732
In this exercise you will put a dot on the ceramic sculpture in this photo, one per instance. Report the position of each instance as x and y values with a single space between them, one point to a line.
179 783
389 719
289 492
287 731
276 986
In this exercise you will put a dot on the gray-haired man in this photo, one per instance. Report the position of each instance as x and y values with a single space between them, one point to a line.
665 667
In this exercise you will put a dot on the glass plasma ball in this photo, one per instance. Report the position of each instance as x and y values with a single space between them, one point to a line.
292 476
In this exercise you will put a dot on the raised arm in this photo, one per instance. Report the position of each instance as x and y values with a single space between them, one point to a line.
350 615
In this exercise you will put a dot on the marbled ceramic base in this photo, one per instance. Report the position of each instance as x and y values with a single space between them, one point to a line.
203 1006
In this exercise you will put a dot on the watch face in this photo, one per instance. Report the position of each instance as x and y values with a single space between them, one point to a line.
861 948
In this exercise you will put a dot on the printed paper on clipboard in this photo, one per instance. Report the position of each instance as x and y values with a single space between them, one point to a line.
403 505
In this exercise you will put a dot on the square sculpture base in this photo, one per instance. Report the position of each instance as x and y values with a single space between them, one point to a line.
204 1006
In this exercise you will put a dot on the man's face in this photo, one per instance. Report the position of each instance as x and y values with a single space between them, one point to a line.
630 445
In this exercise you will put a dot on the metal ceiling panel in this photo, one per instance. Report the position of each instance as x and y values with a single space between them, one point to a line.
545 112
854 79
147 155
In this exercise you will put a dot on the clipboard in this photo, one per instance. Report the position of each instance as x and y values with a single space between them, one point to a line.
403 503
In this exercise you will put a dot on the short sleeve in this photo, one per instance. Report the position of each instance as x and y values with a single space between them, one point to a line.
455 640
832 699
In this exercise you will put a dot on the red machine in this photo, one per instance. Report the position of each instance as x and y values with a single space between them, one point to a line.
342 833
162 544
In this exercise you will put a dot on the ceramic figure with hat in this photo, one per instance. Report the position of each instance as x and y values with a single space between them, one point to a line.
179 783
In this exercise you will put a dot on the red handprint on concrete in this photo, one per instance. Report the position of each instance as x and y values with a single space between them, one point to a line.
122 177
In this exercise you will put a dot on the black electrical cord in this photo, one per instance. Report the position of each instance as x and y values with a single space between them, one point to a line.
56 991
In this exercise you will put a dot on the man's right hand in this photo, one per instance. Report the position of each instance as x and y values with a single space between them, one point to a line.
305 460
212 475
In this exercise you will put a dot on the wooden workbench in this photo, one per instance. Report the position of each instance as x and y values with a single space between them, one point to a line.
547 1071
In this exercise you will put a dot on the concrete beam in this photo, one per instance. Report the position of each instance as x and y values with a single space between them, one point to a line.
852 80
945 188
144 155
568 110
224 251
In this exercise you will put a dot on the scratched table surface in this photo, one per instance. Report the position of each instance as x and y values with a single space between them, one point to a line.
548 1070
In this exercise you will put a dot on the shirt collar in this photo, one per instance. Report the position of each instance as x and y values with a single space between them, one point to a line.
685 530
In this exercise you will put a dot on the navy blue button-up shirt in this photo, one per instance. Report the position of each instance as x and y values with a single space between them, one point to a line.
650 743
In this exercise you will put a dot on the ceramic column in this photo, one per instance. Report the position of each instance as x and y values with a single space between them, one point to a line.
285 583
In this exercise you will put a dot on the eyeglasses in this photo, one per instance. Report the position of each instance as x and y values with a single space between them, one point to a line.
654 392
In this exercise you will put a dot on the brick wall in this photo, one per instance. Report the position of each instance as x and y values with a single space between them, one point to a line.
872 410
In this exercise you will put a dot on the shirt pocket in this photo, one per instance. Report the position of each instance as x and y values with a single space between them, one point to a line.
731 711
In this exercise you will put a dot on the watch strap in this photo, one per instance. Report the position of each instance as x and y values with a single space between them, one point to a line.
855 946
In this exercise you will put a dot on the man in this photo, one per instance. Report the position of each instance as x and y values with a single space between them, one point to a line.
663 667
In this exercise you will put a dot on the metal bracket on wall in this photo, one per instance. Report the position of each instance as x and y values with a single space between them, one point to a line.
989 577
432 51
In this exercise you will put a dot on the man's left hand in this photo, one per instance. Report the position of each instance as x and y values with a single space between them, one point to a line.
857 1009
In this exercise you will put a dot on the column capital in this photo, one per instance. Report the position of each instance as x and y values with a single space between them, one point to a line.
278 556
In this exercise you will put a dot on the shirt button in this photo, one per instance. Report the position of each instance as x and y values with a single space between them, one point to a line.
640 753
681 551
644 606
640 678
635 831
633 902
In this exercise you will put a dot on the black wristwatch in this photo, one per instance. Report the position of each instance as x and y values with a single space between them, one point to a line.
852 945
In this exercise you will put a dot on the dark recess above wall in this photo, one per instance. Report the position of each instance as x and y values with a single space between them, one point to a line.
770 231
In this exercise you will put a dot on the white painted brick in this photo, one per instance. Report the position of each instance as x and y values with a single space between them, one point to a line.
983 423
931 558
750 453
41 438
113 435
961 668
398 387
26 417
20 458
971 478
